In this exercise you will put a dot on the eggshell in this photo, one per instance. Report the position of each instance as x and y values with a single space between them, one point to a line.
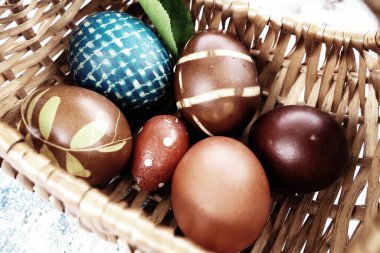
220 195
160 144
120 57
215 83
301 148
79 130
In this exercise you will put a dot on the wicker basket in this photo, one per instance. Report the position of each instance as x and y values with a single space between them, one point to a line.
336 71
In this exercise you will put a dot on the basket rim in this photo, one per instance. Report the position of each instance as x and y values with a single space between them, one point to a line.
244 9
361 40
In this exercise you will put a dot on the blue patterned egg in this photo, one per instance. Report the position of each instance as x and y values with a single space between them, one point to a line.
120 57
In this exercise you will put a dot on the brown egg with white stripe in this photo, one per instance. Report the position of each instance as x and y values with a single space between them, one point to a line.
215 83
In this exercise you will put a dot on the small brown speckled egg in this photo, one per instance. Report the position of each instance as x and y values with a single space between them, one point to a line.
220 195
79 130
215 83
301 148
159 146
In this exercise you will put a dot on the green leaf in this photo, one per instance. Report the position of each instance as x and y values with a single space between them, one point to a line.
47 115
113 148
180 20
32 105
46 152
172 20
161 21
75 167
89 134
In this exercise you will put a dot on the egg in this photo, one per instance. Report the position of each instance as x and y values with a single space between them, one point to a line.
301 148
215 82
120 57
159 146
78 130
220 195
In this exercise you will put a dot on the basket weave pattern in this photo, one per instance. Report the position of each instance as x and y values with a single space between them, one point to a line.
299 63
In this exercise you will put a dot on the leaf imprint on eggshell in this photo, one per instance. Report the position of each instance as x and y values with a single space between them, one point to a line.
75 167
89 134
18 126
47 115
47 152
113 148
32 105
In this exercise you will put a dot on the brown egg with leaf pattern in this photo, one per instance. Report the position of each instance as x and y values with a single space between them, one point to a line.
77 129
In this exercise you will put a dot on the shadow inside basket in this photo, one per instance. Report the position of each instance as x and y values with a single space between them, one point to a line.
297 64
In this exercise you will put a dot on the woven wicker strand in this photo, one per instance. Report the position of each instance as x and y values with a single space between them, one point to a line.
299 63
93 208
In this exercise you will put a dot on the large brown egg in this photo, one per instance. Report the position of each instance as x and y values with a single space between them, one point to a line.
159 146
301 148
216 84
220 195
79 130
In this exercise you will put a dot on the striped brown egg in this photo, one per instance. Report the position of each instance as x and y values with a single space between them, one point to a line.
215 83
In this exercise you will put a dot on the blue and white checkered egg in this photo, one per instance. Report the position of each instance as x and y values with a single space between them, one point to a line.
120 57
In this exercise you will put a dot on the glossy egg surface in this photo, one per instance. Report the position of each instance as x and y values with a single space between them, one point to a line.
79 130
220 195
301 148
117 55
159 146
215 83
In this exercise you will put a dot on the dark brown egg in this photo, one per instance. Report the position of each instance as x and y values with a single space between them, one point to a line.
220 195
79 130
216 84
301 148
159 146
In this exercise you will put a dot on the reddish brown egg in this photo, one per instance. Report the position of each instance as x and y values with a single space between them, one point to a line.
220 195
79 130
301 148
159 146
216 84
